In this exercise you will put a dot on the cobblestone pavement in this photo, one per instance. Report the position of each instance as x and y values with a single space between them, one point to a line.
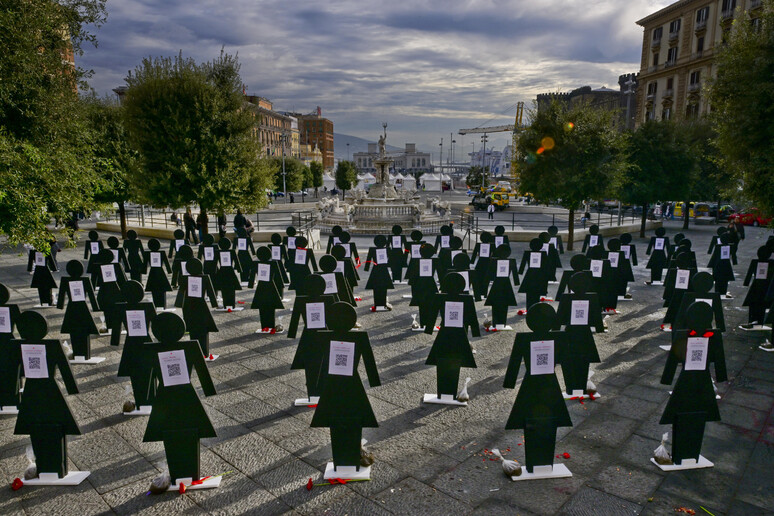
430 459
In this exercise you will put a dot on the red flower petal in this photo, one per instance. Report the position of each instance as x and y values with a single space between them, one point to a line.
708 334
566 455
16 484
692 333
212 357
309 484
181 489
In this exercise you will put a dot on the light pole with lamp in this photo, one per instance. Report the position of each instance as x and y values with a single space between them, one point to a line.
283 140
347 152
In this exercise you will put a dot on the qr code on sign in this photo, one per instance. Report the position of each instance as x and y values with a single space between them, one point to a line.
542 359
579 314
173 370
34 363
315 316
135 325
2 321
696 355
341 360
454 316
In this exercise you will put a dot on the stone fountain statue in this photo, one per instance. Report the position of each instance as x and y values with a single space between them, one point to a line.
383 189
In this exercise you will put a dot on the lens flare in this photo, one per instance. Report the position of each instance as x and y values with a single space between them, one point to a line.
540 150
569 126
548 143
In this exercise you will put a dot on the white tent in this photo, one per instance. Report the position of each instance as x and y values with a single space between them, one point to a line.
431 182
446 178
329 182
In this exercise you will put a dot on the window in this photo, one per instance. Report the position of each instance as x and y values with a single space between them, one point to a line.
657 34
674 26
695 77
666 114
652 88
702 14
672 55
729 5
756 24
692 111
655 58
670 83
700 45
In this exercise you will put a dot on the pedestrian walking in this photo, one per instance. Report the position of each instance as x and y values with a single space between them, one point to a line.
490 211
190 226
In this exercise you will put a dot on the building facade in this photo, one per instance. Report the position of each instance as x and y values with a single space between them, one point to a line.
678 47
316 132
272 129
617 100
410 161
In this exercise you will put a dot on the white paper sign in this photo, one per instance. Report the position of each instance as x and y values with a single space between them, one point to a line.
704 300
425 267
5 319
315 316
579 313
553 241
499 240
659 245
264 271
718 241
483 251
155 259
534 260
136 326
209 254
115 255
444 240
596 268
696 354
184 269
762 270
397 242
276 252
415 251
502 268
339 266
330 283
347 250
541 357
466 275
453 314
613 257
40 260
342 358
546 248
336 240
681 280
174 368
300 258
76 291
627 251
225 259
593 240
94 247
381 256
34 360
454 253
291 242
108 273
242 244
725 252
178 244
194 287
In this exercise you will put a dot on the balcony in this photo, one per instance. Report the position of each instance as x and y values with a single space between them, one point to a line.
694 87
667 94
656 43
700 27
697 55
652 69
673 36
726 16
669 64
651 97
754 4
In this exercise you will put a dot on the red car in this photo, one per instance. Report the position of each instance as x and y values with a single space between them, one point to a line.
752 217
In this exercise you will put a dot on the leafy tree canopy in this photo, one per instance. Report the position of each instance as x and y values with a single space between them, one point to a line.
475 178
294 173
316 168
346 175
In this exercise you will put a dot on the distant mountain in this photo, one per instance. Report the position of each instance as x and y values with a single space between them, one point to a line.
356 144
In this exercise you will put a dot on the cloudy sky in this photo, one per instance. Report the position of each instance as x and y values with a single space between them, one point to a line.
427 67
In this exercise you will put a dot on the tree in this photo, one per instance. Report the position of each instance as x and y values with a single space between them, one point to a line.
294 173
661 165
742 100
193 132
713 179
475 178
346 176
119 161
47 167
569 155
316 169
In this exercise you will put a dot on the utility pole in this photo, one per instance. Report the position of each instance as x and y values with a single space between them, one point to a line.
283 140
440 157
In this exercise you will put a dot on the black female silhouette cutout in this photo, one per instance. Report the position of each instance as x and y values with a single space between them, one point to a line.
501 296
267 298
379 281
397 255
134 255
226 281
658 258
196 314
157 282
10 368
78 321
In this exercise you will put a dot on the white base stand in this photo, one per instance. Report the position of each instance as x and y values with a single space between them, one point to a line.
579 395
665 347
422 328
406 296
232 308
686 464
44 306
654 283
755 327
144 410
624 298
503 327
611 312
8 410
286 300
210 483
382 309
347 472
166 309
538 472
269 332
726 297
73 478
211 358
244 283
91 361
305 402
445 399
667 329
766 349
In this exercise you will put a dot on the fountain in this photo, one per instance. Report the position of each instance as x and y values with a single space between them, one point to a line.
383 206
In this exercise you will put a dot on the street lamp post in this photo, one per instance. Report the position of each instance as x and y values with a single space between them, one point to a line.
283 139
347 152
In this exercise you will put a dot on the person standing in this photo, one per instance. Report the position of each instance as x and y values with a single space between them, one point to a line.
222 225
190 226
201 223
490 211
239 221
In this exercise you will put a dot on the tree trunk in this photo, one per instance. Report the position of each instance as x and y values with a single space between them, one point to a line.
686 214
644 220
122 215
571 230
205 222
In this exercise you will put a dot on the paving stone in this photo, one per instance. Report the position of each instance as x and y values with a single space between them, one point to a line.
589 501
607 429
630 483
421 498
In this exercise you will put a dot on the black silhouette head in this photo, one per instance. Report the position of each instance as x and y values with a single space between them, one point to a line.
32 326
541 317
327 263
341 316
154 245
168 327
74 268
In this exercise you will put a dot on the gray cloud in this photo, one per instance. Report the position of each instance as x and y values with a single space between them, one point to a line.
428 68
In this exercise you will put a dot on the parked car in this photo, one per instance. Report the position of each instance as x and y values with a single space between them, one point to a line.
751 217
